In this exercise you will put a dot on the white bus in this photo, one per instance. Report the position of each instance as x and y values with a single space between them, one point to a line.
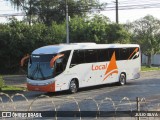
77 65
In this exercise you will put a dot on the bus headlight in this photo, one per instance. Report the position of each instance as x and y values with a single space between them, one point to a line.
50 82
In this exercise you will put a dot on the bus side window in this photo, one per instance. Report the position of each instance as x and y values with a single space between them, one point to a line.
62 62
66 57
124 53
118 55
132 53
59 66
91 56
135 55
103 55
77 58
110 53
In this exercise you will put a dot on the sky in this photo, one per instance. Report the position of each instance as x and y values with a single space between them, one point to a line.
128 14
6 8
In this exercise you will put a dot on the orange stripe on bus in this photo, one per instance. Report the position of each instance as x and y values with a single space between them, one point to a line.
54 59
136 50
43 88
115 71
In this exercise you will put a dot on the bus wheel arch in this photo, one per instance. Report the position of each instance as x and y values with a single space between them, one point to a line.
122 79
74 85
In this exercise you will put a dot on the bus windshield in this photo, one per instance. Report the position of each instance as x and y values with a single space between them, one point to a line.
39 67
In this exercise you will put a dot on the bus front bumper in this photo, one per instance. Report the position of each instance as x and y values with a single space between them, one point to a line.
42 88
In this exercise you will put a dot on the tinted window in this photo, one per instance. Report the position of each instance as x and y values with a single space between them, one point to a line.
77 58
62 62
65 57
102 55
132 53
117 53
110 53
124 53
91 56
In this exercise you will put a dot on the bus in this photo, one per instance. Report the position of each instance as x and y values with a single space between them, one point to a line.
72 66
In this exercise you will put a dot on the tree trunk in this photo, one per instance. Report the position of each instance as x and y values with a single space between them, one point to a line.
149 60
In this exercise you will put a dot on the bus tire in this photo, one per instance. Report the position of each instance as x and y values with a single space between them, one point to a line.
73 87
122 79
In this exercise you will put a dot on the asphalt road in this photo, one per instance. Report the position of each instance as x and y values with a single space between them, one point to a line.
104 98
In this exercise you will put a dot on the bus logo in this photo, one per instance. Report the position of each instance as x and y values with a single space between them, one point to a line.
112 67
99 67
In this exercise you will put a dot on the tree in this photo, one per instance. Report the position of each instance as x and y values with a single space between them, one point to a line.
98 26
146 32
46 11
89 30
116 33
18 39
97 29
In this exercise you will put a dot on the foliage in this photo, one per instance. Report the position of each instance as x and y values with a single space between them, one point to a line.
98 29
18 39
47 11
117 34
1 82
13 88
146 68
146 32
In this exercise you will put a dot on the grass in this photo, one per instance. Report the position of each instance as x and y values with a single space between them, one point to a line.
145 68
12 88
4 87
1 82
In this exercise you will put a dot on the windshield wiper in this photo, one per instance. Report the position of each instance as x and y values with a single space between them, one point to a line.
39 69
34 72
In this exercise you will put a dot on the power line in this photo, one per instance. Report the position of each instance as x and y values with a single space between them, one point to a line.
141 5
134 3
109 8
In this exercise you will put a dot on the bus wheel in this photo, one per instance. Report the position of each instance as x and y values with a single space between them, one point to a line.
73 87
122 79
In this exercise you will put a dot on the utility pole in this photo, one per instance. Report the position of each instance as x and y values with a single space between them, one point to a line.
67 26
117 12
30 12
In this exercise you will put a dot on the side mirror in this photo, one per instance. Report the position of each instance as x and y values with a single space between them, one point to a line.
54 59
23 60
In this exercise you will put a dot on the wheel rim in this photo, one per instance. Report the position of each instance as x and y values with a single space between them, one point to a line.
122 80
73 87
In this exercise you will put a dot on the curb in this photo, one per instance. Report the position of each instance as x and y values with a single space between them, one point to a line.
149 73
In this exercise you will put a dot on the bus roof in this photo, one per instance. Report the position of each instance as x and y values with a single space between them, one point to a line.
53 49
